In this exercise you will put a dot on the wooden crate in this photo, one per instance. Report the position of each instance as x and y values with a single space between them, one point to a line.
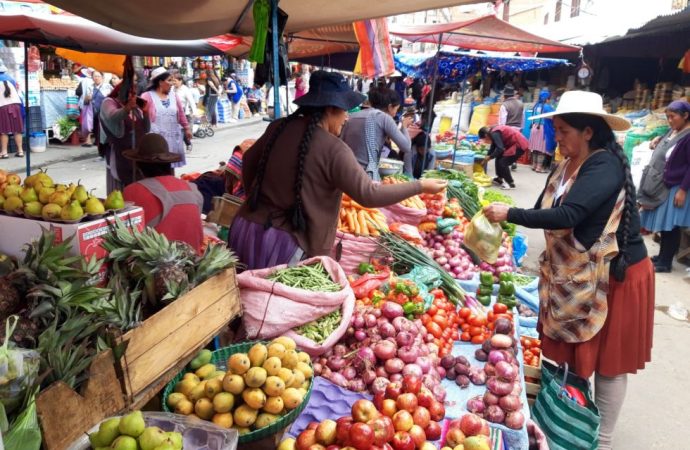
224 210
168 340
532 388
65 414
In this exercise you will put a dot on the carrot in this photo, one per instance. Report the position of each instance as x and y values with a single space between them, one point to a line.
356 229
350 221
363 223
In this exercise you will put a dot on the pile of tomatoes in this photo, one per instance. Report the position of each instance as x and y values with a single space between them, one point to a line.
476 328
442 321
531 350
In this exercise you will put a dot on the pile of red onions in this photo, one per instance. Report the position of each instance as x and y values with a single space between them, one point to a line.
504 263
381 346
448 253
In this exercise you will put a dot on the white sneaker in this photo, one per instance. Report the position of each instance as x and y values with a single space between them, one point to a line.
232 120
506 186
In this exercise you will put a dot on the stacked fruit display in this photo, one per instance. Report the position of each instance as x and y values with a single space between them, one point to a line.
131 433
470 432
258 387
39 197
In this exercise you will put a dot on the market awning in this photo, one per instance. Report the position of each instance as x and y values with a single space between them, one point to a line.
453 67
76 33
483 33
185 19
322 41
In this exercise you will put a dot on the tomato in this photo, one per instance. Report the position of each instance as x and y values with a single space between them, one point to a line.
441 321
528 355
465 312
465 326
465 336
477 321
500 308
454 335
490 316
434 329
432 310
446 333
527 343
438 303
475 331
534 362
478 339
535 350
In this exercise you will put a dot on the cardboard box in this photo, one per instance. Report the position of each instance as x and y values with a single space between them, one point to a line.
17 231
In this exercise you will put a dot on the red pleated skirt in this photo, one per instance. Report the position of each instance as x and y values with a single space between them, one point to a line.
624 344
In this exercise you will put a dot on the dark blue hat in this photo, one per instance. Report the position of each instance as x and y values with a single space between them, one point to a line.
330 89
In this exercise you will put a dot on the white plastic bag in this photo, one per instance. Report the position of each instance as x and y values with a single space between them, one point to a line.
641 155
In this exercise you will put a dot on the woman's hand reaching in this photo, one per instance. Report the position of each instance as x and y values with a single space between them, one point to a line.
496 212
433 186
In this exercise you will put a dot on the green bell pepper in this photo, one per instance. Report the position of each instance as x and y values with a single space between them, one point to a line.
486 278
509 300
485 290
505 276
364 268
484 299
506 288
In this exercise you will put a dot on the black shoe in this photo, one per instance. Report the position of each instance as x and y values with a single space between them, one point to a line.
655 259
497 181
514 166
660 268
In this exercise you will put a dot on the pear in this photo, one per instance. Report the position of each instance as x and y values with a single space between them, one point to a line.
151 438
59 198
125 443
60 188
33 209
176 439
114 200
70 189
29 195
51 211
12 190
29 181
73 211
132 424
2 201
106 434
13 178
43 178
44 194
80 194
94 206
13 204
167 445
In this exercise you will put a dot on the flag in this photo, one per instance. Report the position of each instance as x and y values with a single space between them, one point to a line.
375 57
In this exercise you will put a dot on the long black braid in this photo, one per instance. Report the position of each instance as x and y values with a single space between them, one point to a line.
7 92
299 223
603 137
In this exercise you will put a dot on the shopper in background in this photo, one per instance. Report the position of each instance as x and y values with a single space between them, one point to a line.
114 80
85 92
507 145
254 98
185 95
366 131
11 117
213 90
542 136
235 93
597 284
300 85
167 114
665 183
512 109
99 92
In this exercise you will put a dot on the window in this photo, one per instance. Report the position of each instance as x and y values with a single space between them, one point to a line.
546 19
557 14
574 8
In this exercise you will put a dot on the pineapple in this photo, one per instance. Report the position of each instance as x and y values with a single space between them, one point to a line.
216 258
10 297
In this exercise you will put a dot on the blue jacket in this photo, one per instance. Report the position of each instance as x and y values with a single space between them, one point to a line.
549 131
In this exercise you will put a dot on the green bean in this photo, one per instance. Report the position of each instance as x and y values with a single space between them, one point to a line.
319 330
310 278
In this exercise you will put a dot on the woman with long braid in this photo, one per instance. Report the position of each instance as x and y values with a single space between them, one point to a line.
597 284
295 175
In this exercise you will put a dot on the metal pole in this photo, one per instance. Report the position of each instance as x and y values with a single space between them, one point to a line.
276 71
433 85
457 127
27 152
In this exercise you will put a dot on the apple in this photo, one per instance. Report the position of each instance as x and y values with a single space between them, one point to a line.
425 398
383 430
411 384
421 416
389 407
427 446
477 443
471 424
485 428
393 390
437 411
342 430
364 411
402 441
378 400
407 401
316 447
325 432
417 434
454 437
387 446
312 425
361 436
402 421
433 431
334 447
306 439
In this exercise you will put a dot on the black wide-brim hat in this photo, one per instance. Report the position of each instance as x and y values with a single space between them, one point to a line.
330 89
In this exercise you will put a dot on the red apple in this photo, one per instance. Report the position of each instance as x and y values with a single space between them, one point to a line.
471 424
454 437
402 441
389 407
425 398
342 430
427 446
437 411
316 447
411 384
326 432
393 390
402 421
433 431
378 400
408 402
485 428
312 425
387 446
364 411
361 436
306 439
421 416
383 430
417 434
334 447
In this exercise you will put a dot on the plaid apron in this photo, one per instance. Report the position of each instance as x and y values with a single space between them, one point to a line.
574 282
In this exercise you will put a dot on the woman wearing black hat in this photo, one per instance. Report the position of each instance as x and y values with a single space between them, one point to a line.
294 192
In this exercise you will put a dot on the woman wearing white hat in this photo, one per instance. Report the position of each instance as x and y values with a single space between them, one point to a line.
11 121
597 284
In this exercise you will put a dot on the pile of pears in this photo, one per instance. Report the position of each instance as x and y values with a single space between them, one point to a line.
41 197
131 433
256 390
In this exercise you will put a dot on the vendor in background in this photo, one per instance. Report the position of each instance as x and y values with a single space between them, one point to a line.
366 131
99 92
233 170
85 91
542 136
114 80
507 145
213 90
294 191
254 98
665 183
171 206
597 283
512 110
123 124
11 117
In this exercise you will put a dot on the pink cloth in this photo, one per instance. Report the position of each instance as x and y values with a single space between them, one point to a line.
152 111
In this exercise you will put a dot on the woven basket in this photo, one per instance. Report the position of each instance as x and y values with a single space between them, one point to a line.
220 358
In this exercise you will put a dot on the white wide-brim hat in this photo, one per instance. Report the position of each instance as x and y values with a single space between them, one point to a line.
583 102
158 71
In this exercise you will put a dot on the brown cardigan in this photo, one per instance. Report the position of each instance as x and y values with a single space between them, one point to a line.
330 169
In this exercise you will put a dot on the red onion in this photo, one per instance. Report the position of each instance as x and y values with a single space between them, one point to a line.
337 378
489 369
340 350
350 331
462 369
358 321
475 405
515 420
360 335
368 376
326 372
517 388
404 338
490 399
376 312
370 320
364 358
443 261
463 381
462 360
429 338
450 374
408 354
349 373
379 385
394 365
496 356
506 371
498 387
477 376
494 414
396 377
381 372
387 330
391 310
413 369
335 363
424 363
318 368
439 393
510 403
356 385
324 360
503 326
385 350
441 372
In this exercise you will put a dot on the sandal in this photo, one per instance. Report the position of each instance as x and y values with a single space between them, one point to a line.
19 155
4 156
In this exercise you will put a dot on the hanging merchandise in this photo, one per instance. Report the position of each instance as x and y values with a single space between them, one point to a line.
264 72
261 15
375 57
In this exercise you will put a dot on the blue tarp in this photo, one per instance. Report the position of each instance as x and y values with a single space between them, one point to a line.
453 67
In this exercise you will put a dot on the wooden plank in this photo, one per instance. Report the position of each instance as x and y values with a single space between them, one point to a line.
532 372
184 342
65 414
168 321
532 388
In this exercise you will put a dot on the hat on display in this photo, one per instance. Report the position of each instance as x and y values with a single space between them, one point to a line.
152 148
158 71
330 89
583 102
3 67
508 90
